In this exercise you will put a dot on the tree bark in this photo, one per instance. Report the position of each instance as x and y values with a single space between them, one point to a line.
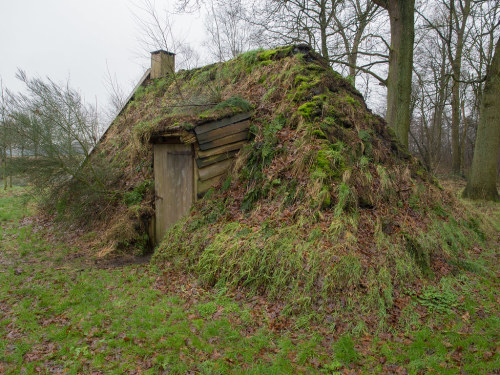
401 14
4 161
10 174
4 164
353 54
482 179
323 25
455 91
437 122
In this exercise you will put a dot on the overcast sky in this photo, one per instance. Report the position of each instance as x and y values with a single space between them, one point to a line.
75 39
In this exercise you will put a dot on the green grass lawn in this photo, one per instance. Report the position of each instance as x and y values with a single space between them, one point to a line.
62 314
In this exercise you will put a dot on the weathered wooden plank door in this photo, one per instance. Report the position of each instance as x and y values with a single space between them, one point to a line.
174 185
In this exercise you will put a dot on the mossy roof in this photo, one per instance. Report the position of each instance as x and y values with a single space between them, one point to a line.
305 117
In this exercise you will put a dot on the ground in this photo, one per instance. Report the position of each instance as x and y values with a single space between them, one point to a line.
60 313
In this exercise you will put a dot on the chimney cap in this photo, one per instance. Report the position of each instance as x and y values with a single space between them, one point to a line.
162 51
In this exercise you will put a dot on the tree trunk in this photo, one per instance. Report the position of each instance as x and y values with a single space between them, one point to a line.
10 174
323 24
401 14
482 179
463 138
4 161
353 54
455 127
455 91
437 117
4 164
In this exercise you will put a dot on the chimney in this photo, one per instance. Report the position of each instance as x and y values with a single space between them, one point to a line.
162 63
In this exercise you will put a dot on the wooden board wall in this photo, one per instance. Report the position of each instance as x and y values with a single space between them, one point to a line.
212 125
223 132
218 142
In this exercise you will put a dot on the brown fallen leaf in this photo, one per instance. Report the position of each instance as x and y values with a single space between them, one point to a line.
487 355
466 316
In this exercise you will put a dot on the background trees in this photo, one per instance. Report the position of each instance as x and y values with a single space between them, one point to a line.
228 35
433 95
465 29
353 19
156 31
421 64
7 139
431 90
344 32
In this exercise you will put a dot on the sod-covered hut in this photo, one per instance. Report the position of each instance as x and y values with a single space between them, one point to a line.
269 172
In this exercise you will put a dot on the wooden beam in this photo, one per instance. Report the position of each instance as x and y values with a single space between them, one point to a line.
220 150
200 129
223 132
195 181
214 170
204 162
224 141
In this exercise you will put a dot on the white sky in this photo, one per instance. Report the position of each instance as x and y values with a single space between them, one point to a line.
75 39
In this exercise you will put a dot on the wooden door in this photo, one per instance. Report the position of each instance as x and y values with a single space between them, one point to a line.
174 185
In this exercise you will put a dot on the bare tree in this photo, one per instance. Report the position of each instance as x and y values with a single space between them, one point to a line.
478 55
116 94
341 31
466 28
295 21
229 33
352 19
432 75
187 57
156 31
156 27
457 25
